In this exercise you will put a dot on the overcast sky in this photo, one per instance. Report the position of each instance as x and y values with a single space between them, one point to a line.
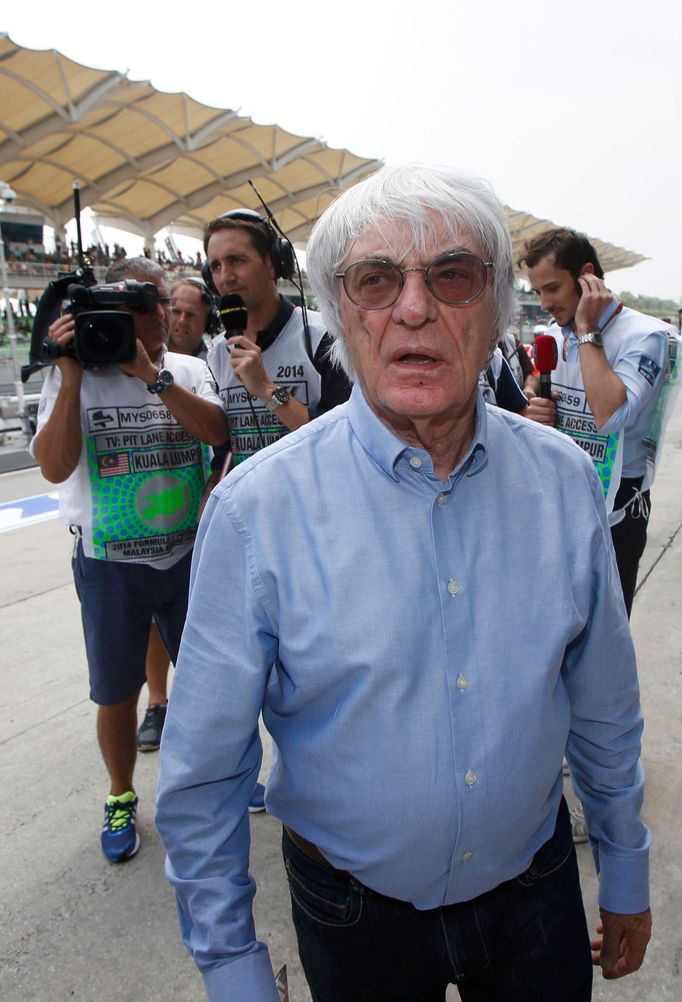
571 110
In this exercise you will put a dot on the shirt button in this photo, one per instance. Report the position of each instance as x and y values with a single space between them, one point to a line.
415 463
453 587
466 856
470 778
462 682
441 499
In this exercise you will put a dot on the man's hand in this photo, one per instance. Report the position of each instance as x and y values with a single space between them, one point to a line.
605 391
621 942
62 332
57 446
141 366
541 409
593 301
247 363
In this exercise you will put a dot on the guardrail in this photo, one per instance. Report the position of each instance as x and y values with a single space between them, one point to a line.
13 422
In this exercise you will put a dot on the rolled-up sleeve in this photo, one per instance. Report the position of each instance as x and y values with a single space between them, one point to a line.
639 379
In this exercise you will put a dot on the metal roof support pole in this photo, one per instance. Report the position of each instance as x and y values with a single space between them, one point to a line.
149 242
61 245
8 196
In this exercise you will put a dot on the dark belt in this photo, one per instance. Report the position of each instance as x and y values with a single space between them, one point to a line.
309 848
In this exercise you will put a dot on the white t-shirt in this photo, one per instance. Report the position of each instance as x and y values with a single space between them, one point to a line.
252 425
136 490
637 349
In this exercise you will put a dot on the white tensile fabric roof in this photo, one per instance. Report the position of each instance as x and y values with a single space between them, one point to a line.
145 159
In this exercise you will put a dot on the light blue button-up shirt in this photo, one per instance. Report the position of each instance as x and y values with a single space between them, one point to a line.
436 648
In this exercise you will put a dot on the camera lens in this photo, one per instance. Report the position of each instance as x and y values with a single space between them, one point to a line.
105 338
100 339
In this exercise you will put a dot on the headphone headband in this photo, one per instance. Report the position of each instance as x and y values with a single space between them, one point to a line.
248 216
213 323
196 283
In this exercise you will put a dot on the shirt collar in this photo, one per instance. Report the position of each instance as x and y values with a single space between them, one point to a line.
390 452
267 336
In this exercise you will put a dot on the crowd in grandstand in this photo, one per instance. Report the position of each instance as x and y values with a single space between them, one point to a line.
99 255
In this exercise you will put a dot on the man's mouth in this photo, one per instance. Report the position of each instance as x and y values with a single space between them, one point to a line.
414 358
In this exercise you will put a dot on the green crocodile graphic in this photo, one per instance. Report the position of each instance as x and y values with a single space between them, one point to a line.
164 503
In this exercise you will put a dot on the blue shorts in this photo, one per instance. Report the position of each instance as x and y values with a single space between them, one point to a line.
118 602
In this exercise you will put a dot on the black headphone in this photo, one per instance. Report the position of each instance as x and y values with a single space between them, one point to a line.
280 249
213 322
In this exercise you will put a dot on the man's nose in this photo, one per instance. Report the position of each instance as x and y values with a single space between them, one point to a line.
223 278
227 269
416 304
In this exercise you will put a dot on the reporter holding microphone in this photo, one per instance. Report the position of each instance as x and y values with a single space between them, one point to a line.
538 389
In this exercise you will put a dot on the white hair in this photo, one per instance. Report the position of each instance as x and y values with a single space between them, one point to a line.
421 196
141 268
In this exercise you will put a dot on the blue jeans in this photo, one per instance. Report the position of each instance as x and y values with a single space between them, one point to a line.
524 941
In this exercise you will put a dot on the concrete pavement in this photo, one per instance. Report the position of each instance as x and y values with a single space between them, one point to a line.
74 927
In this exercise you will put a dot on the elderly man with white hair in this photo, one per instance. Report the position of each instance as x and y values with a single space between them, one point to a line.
367 610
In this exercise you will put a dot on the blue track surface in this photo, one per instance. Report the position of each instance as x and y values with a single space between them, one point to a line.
28 511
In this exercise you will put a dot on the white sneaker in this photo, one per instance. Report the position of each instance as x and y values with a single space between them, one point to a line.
578 825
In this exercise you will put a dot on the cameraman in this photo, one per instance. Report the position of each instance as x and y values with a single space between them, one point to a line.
124 441
193 316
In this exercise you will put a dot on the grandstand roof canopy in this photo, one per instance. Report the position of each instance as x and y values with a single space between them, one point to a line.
146 159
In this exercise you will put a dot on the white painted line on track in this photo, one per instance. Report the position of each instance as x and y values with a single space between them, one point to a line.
28 511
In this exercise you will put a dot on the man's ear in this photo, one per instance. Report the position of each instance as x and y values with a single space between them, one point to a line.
492 346
587 269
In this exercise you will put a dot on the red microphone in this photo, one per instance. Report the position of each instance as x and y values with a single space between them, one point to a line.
546 358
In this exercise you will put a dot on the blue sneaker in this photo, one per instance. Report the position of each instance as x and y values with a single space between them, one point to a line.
257 802
119 838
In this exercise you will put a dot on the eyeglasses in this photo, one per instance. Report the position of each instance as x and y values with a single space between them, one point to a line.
149 304
455 279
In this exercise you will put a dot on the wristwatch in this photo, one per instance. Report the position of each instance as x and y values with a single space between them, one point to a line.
280 395
594 337
164 379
